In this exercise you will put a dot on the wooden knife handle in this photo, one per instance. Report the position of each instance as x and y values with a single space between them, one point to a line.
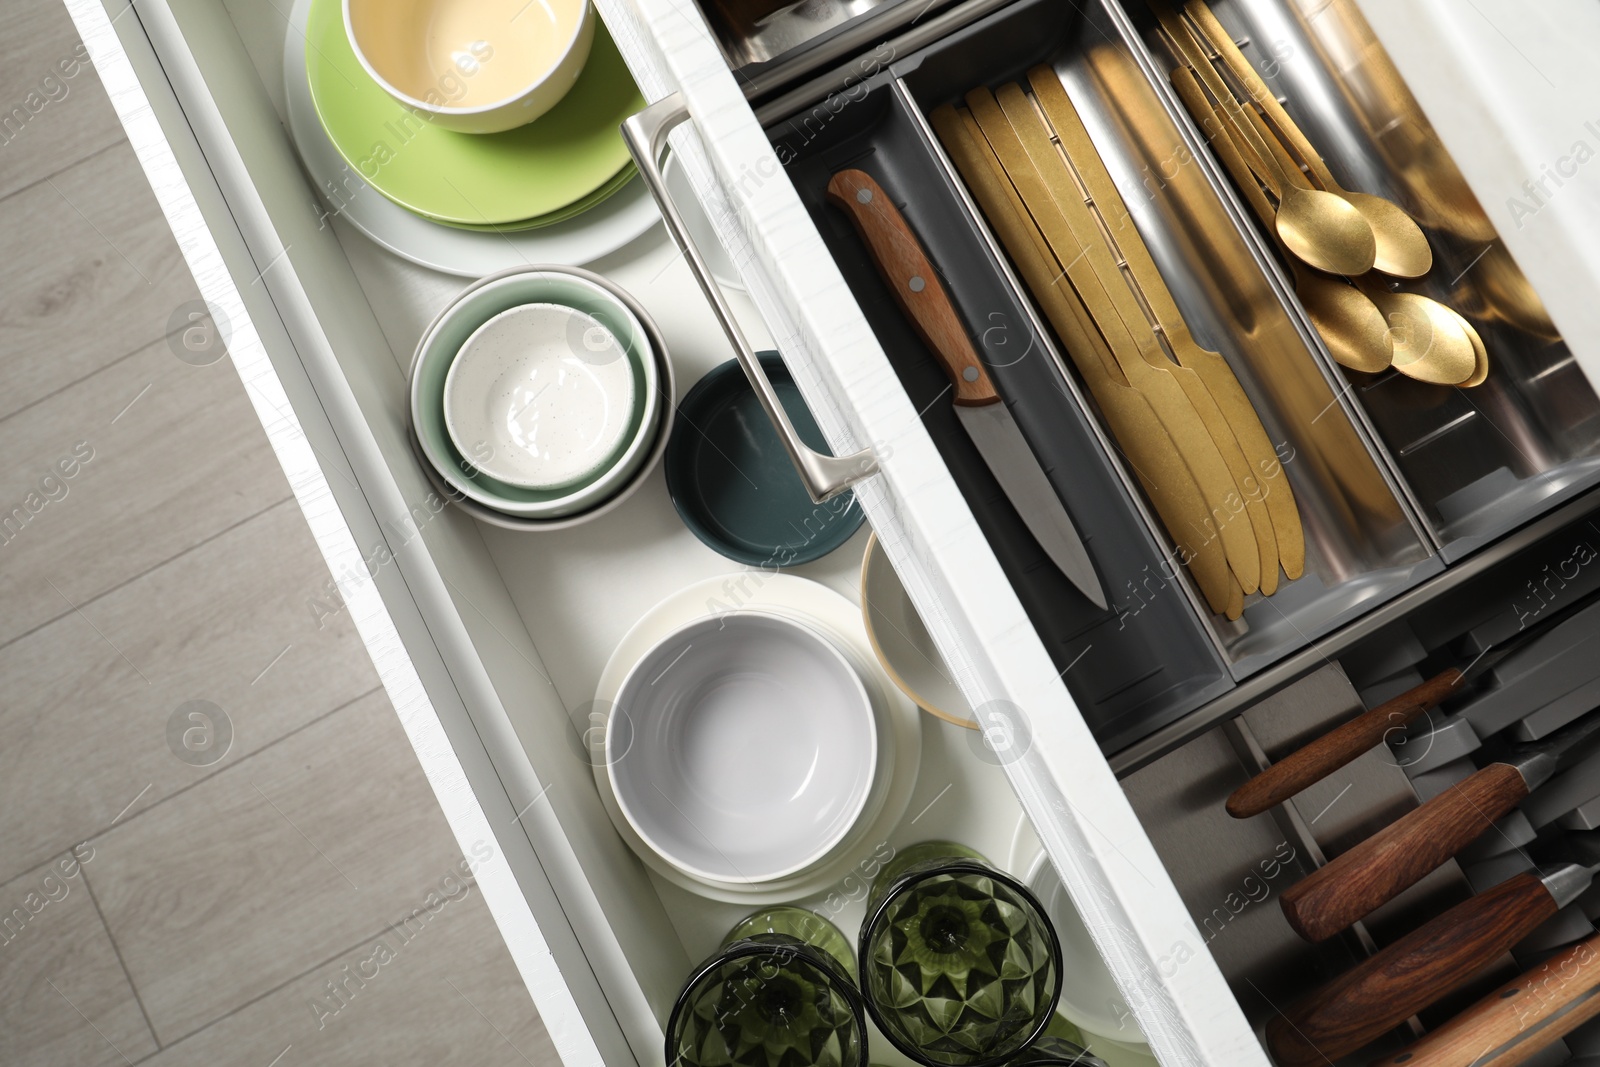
1508 1026
1380 993
1315 761
910 276
1398 856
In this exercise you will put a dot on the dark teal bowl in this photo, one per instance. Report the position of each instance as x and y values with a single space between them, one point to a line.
734 485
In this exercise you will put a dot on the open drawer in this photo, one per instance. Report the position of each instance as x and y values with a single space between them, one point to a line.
491 643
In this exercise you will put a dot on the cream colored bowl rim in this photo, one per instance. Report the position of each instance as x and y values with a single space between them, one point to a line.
481 109
955 718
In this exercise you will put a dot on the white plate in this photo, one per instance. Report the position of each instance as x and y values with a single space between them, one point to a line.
547 412
742 747
584 238
1089 995
899 723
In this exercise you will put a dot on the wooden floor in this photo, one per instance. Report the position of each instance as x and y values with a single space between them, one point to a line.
216 845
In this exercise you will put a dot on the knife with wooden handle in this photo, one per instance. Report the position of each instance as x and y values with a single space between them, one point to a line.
1527 1014
1313 762
1401 854
1316 760
915 285
1437 958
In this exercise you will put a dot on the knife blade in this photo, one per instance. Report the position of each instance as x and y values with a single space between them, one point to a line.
915 285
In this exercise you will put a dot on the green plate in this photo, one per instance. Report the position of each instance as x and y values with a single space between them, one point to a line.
551 164
622 178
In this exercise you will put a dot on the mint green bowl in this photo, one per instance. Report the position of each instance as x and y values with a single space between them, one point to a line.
477 305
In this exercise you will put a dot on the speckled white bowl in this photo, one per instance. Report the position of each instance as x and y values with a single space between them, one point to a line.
541 396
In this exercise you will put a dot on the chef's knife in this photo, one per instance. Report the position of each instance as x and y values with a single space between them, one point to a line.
910 276
1398 856
1436 958
1528 1013
1317 759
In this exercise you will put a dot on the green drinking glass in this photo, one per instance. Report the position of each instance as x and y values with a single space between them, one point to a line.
959 965
780 992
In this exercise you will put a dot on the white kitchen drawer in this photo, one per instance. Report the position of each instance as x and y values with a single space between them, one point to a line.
490 643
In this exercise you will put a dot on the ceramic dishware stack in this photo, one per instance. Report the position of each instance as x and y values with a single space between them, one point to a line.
469 65
467 136
540 398
749 749
732 481
902 643
753 755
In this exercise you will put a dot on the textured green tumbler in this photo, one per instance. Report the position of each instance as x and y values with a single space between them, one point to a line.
778 993
959 965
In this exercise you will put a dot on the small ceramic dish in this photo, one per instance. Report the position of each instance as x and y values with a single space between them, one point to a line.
436 352
541 396
902 643
472 66
733 483
750 748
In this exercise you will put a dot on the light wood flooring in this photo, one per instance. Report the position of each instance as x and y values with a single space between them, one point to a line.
210 819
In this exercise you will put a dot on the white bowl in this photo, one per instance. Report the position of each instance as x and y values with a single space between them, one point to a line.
473 66
449 333
541 397
742 747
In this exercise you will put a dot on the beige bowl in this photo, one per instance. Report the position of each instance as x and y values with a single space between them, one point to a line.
473 66
902 643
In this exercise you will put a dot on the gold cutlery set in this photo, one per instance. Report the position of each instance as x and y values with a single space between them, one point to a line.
1175 410
1345 249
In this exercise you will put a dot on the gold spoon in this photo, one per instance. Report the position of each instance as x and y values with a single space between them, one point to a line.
1432 343
1350 324
1402 250
1317 226
1481 373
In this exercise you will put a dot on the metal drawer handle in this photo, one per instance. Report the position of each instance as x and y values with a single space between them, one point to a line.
646 136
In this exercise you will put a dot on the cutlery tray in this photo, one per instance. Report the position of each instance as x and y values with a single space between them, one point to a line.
1476 462
1362 545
